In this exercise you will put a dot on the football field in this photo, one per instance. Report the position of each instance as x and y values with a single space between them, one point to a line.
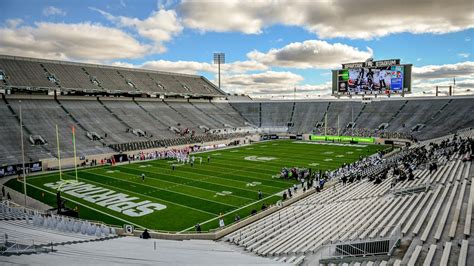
176 200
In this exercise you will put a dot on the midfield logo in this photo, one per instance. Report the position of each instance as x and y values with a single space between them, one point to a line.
259 159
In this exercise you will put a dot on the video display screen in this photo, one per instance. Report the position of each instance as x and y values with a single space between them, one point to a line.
366 80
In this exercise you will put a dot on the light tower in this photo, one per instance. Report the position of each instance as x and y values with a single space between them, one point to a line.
219 58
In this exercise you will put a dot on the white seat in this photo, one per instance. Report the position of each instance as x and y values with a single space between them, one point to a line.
446 253
463 253
445 214
430 255
415 255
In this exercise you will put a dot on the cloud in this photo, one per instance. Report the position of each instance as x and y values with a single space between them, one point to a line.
253 84
363 19
426 78
193 67
463 69
311 54
186 67
161 26
81 41
51 11
464 86
464 55
13 23
301 92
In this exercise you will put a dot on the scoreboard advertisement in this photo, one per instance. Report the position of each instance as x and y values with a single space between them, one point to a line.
372 77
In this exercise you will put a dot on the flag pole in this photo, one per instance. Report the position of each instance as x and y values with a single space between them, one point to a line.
23 154
59 153
74 144
326 125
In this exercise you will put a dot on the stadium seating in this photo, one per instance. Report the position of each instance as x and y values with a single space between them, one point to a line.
28 72
52 240
439 116
113 120
363 211
136 251
307 114
28 231
10 144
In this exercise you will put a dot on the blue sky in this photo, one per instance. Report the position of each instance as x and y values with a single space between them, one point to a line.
268 46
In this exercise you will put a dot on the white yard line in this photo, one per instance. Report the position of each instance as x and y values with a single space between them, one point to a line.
142 184
243 207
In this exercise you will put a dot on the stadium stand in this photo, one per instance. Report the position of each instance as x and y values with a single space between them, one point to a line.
361 212
115 121
401 115
358 221
22 72
108 124
28 231
52 240
135 251
306 115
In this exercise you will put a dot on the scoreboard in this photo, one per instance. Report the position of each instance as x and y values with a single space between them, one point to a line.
372 77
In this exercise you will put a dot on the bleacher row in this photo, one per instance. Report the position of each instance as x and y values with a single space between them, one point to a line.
112 120
24 230
136 251
439 116
29 72
56 240
362 210
143 145
160 119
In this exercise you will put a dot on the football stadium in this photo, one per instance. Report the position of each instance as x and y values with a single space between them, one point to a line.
119 146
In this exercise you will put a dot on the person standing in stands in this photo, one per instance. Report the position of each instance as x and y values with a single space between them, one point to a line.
3 191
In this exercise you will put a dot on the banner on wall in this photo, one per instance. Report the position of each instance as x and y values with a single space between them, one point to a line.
13 169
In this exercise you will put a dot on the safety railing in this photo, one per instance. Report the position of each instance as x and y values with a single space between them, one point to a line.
10 246
359 248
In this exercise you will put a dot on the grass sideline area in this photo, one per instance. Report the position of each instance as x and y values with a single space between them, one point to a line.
227 185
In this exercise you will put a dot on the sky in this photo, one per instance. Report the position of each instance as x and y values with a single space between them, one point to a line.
271 46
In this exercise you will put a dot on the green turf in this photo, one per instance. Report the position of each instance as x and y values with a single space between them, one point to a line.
189 193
